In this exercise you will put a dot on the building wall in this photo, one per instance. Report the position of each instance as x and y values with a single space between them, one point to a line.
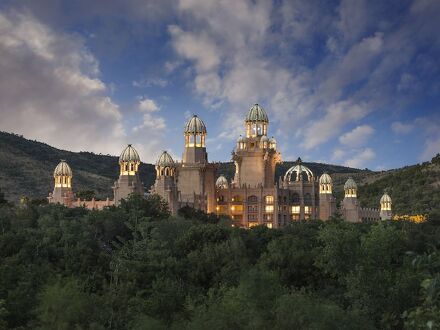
127 185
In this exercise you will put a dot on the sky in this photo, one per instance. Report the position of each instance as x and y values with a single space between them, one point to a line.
350 82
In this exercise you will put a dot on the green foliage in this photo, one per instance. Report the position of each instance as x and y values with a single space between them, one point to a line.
135 267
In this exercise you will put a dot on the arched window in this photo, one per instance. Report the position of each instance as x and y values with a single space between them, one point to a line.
295 198
252 199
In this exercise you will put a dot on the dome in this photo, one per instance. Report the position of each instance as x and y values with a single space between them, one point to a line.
62 169
264 138
385 198
325 179
221 182
299 170
129 154
165 160
240 139
195 126
257 113
350 184
272 140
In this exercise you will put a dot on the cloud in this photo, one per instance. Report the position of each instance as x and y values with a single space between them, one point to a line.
148 105
361 159
150 82
357 137
336 117
401 128
50 88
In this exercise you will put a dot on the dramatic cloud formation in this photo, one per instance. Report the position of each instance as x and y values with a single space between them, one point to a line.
50 90
336 77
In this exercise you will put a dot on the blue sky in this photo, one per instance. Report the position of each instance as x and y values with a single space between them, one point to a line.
351 82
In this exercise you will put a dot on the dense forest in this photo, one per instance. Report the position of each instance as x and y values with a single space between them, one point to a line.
135 267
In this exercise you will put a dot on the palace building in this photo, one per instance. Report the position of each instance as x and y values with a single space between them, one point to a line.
252 197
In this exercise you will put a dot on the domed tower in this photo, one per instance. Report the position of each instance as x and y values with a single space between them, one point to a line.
299 179
165 184
62 191
351 208
255 156
385 207
327 203
222 182
195 138
129 181
196 183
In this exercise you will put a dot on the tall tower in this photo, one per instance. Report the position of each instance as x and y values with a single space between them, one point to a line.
385 207
62 191
129 181
165 184
196 177
255 156
195 136
327 203
350 204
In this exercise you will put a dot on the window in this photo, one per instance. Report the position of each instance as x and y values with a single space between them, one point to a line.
252 199
268 209
307 209
269 199
295 209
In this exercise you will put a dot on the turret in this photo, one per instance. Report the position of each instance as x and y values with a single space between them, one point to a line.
129 181
327 203
351 207
62 192
385 207
165 184
195 141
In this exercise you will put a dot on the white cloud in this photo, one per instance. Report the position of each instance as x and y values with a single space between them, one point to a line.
361 159
338 154
150 82
50 88
336 117
148 105
357 137
401 128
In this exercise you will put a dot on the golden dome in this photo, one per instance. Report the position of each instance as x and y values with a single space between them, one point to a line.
195 126
62 169
129 154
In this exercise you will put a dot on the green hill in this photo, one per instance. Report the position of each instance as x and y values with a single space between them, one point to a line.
26 170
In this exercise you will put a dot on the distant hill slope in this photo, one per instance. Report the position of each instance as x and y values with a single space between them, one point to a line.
26 168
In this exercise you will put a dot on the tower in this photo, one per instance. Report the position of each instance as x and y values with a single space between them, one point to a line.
196 177
195 136
350 204
255 155
62 191
165 184
385 207
129 181
327 203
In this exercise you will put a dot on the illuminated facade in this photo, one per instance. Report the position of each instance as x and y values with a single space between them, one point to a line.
252 197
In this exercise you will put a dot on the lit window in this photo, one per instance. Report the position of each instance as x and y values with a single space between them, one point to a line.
307 209
269 199
269 208
295 209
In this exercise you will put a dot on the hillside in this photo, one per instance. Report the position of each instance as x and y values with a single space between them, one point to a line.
26 170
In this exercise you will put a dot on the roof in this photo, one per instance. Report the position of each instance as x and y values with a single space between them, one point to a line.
299 169
350 184
325 179
257 113
165 160
129 154
221 182
195 126
62 169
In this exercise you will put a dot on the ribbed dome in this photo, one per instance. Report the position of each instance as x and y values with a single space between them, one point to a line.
165 160
240 139
221 182
350 184
257 113
385 198
272 140
62 169
264 138
129 155
299 170
195 126
325 179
